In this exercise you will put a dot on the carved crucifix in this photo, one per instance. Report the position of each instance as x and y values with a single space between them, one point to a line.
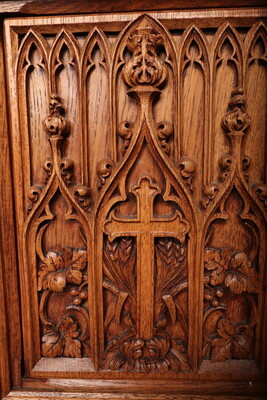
146 227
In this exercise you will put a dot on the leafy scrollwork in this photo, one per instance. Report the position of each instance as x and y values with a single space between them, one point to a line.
64 272
229 274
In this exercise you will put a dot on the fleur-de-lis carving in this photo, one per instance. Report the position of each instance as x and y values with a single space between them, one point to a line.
145 67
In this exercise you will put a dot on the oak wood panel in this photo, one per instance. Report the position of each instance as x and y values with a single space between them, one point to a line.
142 222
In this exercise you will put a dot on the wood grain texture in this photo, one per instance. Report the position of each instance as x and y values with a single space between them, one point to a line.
107 396
140 186
49 7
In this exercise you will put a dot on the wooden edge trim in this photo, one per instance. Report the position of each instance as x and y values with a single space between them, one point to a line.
20 395
10 339
50 7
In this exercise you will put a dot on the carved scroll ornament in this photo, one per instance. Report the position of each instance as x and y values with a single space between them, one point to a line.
58 271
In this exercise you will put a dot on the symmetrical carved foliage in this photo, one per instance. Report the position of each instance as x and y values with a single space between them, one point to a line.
139 169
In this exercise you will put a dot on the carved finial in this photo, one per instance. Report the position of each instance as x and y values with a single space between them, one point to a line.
55 124
236 121
145 67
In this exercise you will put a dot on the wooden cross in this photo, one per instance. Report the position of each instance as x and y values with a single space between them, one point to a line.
145 227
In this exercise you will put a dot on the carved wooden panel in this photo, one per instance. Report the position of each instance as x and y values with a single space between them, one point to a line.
139 149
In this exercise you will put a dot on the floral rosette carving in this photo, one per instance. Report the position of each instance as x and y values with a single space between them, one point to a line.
145 67
229 274
64 272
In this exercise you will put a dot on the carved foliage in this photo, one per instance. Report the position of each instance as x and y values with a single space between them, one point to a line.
170 307
232 270
161 352
62 276
231 285
62 340
58 271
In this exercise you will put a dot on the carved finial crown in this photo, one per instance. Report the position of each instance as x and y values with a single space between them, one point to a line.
145 67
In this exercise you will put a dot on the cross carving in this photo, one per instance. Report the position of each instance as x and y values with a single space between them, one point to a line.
146 227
